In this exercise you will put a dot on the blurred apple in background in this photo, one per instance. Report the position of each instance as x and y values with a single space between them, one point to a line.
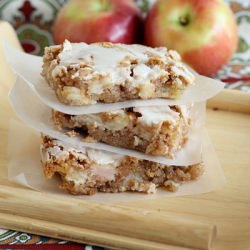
202 31
89 21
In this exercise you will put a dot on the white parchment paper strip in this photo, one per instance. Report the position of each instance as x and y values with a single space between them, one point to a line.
29 67
38 116
25 168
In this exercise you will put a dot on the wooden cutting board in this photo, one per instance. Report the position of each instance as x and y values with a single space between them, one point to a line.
228 208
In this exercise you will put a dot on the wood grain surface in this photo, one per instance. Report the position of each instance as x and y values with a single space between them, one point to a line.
113 220
228 208
231 100
106 224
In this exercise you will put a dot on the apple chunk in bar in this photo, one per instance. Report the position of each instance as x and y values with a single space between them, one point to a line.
87 171
158 130
84 74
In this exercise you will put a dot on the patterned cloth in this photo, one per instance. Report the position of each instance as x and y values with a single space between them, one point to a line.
33 20
10 239
237 72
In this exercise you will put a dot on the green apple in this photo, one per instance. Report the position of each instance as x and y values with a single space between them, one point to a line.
202 31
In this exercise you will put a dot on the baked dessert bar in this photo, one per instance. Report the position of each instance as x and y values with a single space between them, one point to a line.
159 130
87 171
83 74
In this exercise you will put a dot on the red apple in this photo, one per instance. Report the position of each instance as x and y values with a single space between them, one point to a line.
202 31
89 21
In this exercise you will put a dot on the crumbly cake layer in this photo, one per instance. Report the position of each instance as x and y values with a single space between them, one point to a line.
151 130
83 74
87 171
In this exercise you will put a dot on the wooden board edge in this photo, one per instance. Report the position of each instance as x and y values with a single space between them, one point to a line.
231 100
117 220
78 234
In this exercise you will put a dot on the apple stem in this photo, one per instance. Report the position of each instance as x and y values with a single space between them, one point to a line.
184 20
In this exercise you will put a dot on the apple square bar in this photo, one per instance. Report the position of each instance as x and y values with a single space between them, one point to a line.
158 130
87 171
84 74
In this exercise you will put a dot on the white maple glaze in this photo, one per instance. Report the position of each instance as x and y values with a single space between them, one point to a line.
157 114
149 116
61 151
112 65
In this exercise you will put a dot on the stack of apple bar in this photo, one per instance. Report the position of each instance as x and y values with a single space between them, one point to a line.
83 75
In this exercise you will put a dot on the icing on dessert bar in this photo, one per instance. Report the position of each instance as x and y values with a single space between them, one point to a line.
83 74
